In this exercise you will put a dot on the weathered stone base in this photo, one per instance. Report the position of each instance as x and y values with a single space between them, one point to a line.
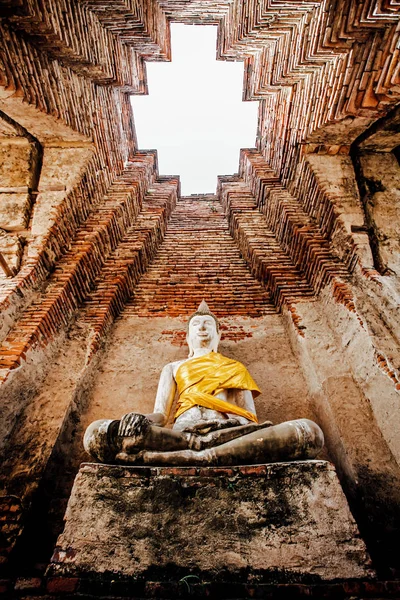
281 522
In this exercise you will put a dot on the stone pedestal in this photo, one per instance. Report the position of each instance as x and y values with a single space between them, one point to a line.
281 522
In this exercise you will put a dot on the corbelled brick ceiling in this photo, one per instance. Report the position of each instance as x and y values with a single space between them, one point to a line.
323 71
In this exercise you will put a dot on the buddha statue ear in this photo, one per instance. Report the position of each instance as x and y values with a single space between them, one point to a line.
191 352
217 339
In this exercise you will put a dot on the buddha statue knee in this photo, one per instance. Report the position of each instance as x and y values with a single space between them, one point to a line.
98 440
103 438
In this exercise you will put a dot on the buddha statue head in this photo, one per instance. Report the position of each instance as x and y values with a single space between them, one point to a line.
203 330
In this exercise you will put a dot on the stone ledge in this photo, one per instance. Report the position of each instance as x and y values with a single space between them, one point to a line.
115 589
274 523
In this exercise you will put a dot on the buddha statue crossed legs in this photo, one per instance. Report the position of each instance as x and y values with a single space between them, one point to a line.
215 419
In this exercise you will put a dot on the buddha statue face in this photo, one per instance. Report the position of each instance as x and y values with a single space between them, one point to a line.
202 333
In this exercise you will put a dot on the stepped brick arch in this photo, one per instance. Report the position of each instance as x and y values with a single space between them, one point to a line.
303 234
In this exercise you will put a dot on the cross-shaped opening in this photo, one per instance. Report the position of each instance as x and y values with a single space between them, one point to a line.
194 114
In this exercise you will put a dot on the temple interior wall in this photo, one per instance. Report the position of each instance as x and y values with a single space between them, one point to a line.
381 172
299 252
355 399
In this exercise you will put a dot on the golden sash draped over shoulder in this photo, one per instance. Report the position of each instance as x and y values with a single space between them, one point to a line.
200 379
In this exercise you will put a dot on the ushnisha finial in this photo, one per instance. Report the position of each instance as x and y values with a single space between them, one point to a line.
204 310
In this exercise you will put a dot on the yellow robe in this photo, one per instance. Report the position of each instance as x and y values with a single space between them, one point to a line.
200 379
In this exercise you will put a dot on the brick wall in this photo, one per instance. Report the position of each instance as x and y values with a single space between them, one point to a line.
197 260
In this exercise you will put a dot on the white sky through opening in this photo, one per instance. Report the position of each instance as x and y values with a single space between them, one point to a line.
194 115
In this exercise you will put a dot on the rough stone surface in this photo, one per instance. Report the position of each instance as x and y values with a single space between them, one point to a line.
279 523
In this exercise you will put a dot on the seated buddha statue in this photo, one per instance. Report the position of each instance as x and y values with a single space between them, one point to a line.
215 420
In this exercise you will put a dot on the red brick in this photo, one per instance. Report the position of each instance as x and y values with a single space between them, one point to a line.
62 584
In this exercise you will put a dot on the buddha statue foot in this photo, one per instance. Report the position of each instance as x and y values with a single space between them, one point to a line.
288 441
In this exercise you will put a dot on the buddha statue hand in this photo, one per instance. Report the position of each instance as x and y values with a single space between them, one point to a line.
205 427
134 425
213 425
